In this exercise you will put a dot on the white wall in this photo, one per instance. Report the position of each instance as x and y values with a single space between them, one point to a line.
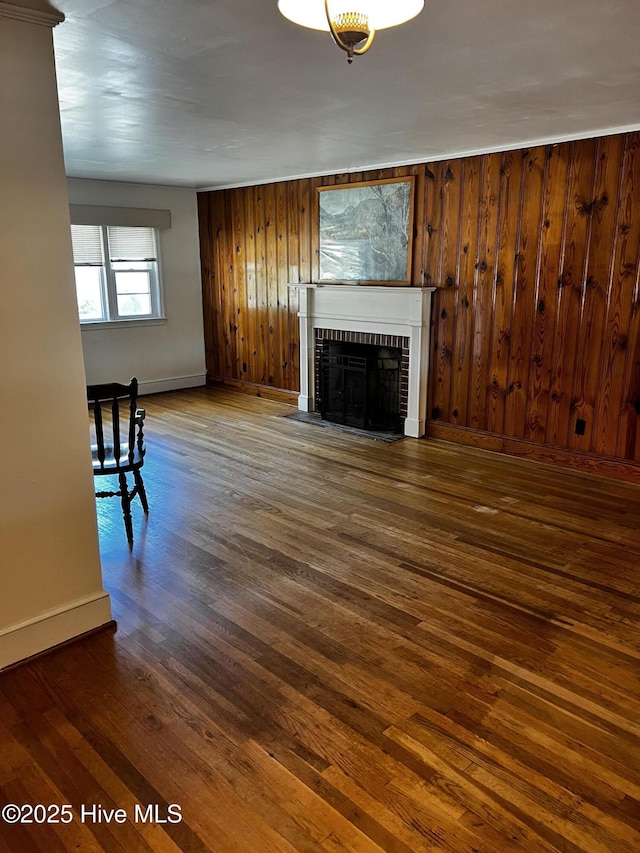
50 575
166 355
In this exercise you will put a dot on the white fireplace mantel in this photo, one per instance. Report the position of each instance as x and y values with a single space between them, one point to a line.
403 311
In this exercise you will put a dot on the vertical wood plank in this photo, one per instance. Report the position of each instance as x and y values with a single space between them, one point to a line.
232 286
483 291
628 445
524 294
503 288
450 190
224 365
252 318
467 272
608 160
417 258
314 224
262 287
225 291
271 272
306 247
282 277
293 261
631 449
432 238
613 408
240 318
544 303
432 214
205 227
570 290
629 435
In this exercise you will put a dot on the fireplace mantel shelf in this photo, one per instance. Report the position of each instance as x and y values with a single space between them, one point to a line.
359 287
385 310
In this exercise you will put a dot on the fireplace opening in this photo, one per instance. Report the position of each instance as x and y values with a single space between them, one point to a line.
360 385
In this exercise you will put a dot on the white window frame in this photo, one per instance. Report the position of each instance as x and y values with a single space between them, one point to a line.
109 294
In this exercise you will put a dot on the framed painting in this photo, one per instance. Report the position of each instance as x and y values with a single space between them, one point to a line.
366 231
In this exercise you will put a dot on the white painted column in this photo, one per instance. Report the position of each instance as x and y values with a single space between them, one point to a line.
50 574
419 337
306 397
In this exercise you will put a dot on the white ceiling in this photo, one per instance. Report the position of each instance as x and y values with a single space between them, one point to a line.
205 93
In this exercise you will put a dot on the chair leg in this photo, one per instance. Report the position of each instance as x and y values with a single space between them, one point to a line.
126 507
141 490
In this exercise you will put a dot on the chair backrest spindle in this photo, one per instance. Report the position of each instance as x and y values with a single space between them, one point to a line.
132 427
115 420
97 415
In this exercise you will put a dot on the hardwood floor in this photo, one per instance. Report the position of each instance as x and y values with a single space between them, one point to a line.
327 643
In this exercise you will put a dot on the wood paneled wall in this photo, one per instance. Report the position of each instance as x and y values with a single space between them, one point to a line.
535 254
536 331
254 241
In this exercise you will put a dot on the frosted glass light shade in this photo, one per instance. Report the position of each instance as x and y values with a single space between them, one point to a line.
381 13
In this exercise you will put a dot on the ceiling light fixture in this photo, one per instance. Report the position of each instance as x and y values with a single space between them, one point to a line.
352 23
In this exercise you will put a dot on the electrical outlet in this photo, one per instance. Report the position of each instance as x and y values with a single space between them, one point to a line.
581 425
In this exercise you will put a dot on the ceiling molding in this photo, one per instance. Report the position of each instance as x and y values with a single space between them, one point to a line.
28 15
437 157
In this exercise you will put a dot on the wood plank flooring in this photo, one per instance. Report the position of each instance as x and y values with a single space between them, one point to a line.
327 643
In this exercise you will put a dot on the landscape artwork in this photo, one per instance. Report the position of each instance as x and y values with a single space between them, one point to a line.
365 232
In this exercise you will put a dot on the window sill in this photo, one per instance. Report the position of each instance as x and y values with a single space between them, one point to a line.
123 324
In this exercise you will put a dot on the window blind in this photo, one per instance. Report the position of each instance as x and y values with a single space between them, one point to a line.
131 244
87 245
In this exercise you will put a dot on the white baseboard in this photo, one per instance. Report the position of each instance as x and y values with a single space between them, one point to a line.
36 635
174 383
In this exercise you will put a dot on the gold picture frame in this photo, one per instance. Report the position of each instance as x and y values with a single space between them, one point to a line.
366 232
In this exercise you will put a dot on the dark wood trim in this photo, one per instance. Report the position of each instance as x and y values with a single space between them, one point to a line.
585 462
253 388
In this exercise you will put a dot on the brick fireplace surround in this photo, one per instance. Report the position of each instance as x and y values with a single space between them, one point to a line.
371 339
384 316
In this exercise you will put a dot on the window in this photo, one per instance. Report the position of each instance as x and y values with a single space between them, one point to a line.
117 275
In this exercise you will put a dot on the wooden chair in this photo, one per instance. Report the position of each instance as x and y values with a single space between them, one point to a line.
119 442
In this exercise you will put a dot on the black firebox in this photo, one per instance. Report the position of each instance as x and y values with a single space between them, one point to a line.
360 385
